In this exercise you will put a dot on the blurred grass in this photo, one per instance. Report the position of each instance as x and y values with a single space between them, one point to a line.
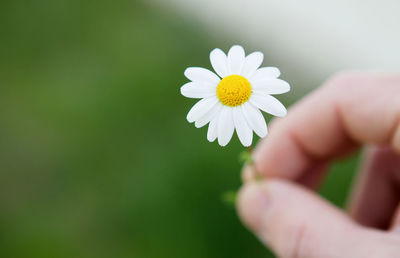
96 157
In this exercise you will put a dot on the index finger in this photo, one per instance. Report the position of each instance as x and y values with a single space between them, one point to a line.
348 110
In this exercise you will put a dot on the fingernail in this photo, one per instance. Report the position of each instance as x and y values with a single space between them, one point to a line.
249 174
253 204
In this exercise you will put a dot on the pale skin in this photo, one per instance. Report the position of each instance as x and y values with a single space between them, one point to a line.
350 111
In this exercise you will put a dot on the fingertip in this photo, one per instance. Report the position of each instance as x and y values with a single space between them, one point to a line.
279 155
251 204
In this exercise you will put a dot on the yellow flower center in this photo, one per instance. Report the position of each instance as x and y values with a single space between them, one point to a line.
234 90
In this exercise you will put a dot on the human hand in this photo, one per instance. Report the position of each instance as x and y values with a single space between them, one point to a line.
349 111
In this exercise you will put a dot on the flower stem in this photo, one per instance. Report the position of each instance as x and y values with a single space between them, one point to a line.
229 197
250 149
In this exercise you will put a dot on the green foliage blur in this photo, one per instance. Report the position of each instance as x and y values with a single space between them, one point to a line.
96 156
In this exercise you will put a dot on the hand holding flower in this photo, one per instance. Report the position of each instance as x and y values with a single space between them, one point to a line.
349 111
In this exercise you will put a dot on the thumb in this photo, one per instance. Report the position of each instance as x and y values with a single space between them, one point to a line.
296 223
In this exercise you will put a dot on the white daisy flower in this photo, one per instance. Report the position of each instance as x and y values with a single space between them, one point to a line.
234 102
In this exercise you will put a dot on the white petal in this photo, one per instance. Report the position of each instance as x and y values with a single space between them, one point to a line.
271 86
198 74
212 132
219 62
201 108
268 104
198 90
236 59
225 126
251 63
243 130
208 116
264 73
255 119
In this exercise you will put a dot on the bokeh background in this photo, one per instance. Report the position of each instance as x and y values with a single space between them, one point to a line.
96 157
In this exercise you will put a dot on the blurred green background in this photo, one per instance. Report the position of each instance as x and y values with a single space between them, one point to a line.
96 156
